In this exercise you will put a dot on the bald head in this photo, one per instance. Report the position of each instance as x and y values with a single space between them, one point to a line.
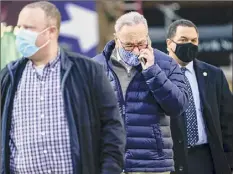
46 11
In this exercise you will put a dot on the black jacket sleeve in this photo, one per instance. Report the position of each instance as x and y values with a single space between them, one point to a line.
4 82
226 119
112 130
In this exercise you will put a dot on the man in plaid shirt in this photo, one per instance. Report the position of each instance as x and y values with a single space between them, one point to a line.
59 112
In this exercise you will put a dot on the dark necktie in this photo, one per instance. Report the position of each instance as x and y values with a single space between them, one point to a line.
190 115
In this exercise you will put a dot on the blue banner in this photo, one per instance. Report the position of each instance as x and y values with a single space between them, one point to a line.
79 28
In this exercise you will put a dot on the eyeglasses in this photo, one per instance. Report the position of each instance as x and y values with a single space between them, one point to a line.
130 47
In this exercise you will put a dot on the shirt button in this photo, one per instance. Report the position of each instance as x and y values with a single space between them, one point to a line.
181 168
42 115
41 98
42 133
45 151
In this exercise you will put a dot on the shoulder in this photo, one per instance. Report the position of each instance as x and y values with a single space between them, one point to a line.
3 74
215 74
164 61
210 68
99 58
161 56
84 63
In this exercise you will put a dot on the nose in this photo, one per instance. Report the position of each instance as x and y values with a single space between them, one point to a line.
136 50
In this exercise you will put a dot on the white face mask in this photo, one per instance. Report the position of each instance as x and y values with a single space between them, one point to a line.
26 42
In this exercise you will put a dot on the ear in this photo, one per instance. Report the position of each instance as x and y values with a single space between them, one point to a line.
169 45
168 41
149 42
150 45
53 32
116 40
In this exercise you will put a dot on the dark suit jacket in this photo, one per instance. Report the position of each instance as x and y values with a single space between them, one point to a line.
216 101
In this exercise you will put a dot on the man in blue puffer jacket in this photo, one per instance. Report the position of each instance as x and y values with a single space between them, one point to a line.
150 87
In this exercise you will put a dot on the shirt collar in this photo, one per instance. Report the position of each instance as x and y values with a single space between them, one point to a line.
189 67
52 63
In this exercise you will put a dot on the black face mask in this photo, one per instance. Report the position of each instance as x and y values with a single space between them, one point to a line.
186 52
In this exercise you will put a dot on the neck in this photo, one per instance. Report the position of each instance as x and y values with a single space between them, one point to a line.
46 57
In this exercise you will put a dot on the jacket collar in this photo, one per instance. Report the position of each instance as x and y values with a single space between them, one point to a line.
66 63
202 78
108 49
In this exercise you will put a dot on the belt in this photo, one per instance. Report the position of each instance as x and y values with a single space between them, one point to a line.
196 147
147 173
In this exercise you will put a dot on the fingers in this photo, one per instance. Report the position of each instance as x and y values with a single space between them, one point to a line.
145 53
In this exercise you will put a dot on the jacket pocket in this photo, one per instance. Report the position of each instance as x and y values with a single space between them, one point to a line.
158 138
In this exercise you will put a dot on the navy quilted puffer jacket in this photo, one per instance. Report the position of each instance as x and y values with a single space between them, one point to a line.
151 96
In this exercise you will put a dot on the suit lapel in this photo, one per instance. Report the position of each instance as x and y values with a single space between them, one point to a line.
202 79
203 84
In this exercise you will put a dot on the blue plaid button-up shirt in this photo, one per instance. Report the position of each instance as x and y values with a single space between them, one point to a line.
39 135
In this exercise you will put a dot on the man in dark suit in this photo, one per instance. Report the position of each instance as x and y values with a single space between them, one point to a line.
203 135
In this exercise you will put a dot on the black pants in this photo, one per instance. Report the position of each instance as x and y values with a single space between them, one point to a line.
200 160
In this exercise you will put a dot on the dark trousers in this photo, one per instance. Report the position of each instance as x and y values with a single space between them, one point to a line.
200 160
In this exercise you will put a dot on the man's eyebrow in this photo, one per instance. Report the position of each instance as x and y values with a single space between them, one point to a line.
183 37
26 26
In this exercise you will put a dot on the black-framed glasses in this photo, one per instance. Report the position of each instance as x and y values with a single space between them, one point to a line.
130 47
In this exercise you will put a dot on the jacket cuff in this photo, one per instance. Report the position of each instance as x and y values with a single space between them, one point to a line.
229 157
151 72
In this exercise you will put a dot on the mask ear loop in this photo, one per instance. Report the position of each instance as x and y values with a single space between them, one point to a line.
46 43
170 48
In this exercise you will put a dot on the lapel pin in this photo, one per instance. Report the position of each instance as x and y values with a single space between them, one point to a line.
204 73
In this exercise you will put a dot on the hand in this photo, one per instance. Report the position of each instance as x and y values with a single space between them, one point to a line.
148 55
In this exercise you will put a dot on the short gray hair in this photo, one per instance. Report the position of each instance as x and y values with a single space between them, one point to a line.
130 19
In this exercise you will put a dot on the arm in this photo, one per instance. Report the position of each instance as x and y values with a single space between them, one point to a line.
113 133
226 119
169 91
4 82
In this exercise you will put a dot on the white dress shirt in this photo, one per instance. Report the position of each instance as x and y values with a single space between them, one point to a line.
190 74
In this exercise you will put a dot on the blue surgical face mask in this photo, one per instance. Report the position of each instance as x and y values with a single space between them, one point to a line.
26 42
129 57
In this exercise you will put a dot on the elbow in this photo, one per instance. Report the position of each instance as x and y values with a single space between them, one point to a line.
183 103
179 105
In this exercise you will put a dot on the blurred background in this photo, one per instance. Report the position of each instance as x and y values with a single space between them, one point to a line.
88 25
